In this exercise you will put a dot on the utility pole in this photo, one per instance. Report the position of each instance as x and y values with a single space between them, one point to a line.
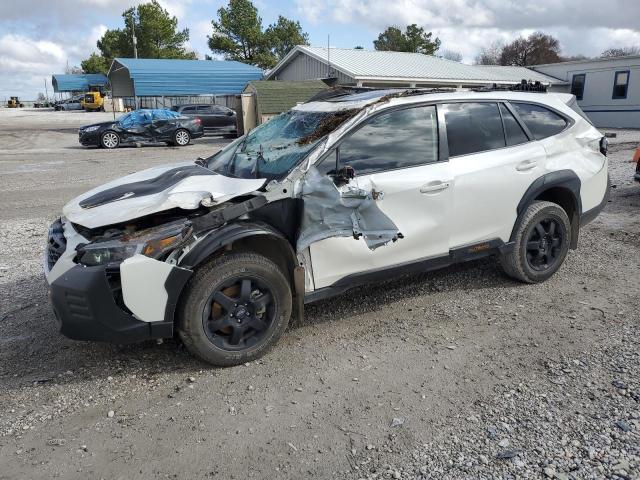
46 89
135 52
133 34
328 56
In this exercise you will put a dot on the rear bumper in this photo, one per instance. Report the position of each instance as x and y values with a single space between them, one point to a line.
591 214
86 309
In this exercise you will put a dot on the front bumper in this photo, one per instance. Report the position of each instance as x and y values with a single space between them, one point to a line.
89 301
88 138
84 302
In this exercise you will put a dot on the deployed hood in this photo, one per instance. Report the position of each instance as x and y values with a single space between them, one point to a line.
154 190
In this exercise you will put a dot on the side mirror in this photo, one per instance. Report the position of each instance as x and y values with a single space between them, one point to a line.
344 175
229 113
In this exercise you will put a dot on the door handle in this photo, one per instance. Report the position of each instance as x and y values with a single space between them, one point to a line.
432 187
526 165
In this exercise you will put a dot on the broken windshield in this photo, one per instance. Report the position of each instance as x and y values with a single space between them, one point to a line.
275 147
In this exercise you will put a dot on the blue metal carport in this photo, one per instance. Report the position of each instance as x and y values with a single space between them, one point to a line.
78 82
145 77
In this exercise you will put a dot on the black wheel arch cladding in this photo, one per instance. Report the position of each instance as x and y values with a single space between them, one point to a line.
233 232
563 183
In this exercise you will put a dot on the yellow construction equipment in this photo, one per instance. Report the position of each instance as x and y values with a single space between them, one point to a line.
14 102
93 100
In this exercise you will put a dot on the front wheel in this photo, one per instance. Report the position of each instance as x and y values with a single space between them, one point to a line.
110 139
181 137
234 309
541 243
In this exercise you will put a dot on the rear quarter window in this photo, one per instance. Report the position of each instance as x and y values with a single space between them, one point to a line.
540 121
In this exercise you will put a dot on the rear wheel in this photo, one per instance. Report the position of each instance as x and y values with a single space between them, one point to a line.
181 137
541 243
110 139
234 309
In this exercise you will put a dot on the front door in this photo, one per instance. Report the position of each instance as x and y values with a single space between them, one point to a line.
395 156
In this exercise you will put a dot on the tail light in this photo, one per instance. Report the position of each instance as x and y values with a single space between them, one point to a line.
604 145
197 121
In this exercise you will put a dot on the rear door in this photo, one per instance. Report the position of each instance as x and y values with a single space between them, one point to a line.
493 162
207 115
190 111
163 125
395 156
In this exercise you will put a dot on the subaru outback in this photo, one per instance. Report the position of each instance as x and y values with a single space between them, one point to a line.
340 191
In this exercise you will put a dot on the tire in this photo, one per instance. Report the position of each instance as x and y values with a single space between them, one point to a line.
208 323
109 139
181 137
541 245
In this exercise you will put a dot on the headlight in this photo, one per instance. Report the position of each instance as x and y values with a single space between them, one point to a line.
91 129
152 242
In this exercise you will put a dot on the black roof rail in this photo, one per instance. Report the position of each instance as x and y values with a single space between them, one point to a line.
334 93
523 86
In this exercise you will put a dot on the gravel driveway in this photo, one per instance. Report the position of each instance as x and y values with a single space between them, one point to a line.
460 373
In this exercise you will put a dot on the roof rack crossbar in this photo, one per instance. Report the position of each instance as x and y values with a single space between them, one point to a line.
523 86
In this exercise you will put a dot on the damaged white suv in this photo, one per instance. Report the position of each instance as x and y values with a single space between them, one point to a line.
340 191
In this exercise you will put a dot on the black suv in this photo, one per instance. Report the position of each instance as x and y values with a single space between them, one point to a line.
215 118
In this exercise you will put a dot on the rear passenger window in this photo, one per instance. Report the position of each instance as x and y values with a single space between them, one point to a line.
189 110
398 139
204 109
473 127
512 129
541 121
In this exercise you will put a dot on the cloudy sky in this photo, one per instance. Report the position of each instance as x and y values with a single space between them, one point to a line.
39 37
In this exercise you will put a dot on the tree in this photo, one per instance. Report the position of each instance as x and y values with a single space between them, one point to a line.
451 55
413 39
490 55
573 58
41 97
283 35
358 47
156 32
536 49
620 52
238 35
95 64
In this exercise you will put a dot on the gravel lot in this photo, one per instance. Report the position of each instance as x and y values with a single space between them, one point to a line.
460 373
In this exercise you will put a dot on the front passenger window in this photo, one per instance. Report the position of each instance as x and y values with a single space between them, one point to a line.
397 139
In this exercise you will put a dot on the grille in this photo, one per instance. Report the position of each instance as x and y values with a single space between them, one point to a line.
56 243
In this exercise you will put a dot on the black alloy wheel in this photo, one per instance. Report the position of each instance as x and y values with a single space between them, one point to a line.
541 243
234 308
544 243
238 313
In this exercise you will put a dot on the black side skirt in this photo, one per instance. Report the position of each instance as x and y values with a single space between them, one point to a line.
457 255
